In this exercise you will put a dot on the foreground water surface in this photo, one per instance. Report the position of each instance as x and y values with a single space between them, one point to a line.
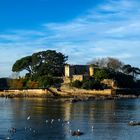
45 119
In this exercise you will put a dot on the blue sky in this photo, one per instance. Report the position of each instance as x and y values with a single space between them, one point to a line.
82 29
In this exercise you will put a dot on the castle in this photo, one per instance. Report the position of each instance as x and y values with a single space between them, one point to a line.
78 72
82 72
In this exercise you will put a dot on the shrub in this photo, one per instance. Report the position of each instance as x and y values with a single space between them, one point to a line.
16 84
45 81
90 84
32 84
101 74
76 84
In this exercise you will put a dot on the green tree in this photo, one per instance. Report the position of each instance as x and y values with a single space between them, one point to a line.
47 81
128 69
4 83
101 74
123 80
92 84
24 63
41 63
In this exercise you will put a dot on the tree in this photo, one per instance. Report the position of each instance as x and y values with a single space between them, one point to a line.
108 62
123 80
128 69
114 64
47 81
102 74
92 84
100 62
24 63
4 83
41 63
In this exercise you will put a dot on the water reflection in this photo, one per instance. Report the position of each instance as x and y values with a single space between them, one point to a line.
55 119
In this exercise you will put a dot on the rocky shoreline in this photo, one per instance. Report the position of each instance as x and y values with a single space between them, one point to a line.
71 94
70 98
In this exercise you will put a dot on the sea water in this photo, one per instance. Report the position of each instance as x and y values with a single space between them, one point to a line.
56 119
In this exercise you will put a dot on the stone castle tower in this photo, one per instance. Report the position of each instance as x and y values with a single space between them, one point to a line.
69 71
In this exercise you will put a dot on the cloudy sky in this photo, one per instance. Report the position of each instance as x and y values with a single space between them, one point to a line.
81 29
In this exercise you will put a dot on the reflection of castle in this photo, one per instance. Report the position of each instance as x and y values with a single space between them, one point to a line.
79 72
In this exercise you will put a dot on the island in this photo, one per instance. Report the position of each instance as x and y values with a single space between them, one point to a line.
49 75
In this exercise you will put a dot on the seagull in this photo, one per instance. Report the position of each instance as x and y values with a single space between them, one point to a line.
25 128
29 117
52 120
68 122
92 127
78 130
8 138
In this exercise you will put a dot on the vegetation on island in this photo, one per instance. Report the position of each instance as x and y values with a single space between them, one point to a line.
46 68
124 75
43 69
90 83
41 63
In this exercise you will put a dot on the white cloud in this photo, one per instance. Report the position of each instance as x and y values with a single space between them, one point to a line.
110 29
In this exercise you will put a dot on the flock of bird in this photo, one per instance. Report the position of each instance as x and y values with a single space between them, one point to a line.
77 132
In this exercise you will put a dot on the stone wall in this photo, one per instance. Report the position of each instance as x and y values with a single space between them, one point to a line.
78 77
75 91
27 92
109 82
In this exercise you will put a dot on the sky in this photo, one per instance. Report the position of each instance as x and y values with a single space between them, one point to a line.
82 29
